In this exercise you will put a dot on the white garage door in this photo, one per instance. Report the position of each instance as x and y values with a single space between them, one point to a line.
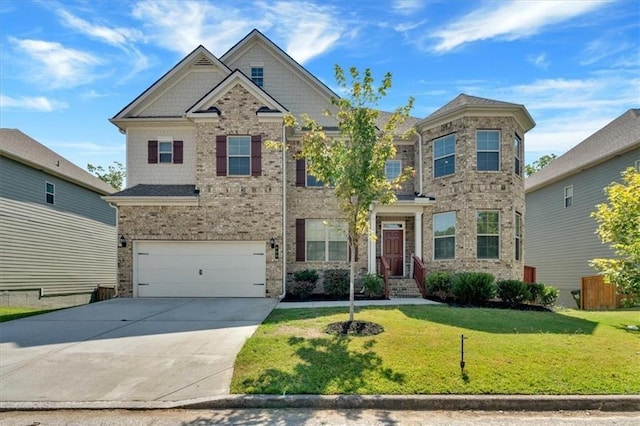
200 269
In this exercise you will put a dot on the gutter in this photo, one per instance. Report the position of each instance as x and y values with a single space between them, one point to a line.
421 184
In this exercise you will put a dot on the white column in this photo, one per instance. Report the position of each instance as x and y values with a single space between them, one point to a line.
372 243
418 235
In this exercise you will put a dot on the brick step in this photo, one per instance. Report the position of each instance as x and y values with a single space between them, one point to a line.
403 288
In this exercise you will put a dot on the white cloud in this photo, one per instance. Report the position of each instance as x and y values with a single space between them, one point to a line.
58 66
600 49
407 7
540 60
182 26
509 21
309 30
35 103
113 36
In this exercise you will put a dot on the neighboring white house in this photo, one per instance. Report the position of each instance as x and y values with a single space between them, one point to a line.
561 236
58 238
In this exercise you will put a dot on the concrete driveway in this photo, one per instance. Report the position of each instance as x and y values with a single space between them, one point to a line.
127 350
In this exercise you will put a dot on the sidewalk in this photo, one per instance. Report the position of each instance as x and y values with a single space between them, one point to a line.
339 303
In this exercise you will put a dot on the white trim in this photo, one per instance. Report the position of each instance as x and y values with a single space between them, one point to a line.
565 197
499 151
46 192
403 227
152 201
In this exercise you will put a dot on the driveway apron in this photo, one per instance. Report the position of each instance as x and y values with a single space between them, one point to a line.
128 350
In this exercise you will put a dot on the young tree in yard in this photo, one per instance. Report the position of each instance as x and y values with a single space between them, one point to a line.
114 176
354 161
539 164
619 226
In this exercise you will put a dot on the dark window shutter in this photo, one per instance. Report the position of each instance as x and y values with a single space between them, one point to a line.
300 240
301 175
152 152
177 152
256 155
221 155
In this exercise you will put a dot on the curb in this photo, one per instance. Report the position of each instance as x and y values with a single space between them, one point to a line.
613 403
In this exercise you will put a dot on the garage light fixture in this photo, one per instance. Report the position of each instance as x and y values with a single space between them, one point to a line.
272 242
123 241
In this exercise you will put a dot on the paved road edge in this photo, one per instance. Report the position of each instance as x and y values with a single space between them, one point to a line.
612 403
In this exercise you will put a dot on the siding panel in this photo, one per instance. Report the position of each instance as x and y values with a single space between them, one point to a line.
560 241
59 252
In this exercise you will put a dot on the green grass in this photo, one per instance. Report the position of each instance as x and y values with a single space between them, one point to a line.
8 313
506 352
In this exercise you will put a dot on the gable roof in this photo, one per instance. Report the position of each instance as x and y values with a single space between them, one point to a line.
619 136
236 77
198 55
256 36
464 104
21 148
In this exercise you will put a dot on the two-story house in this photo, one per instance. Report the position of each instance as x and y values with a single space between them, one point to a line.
210 211
57 236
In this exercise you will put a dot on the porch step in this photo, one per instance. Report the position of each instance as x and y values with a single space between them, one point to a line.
403 288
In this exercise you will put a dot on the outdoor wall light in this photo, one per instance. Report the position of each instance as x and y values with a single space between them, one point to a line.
123 241
272 242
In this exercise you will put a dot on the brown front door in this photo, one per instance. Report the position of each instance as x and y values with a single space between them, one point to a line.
392 249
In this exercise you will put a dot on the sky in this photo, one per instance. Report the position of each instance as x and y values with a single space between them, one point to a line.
66 67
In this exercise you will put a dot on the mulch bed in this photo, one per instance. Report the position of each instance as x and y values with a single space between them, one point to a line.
354 328
494 304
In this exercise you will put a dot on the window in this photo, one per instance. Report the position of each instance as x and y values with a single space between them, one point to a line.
50 192
239 149
444 235
257 75
488 230
325 241
517 152
568 196
165 151
311 180
392 169
444 156
518 232
488 150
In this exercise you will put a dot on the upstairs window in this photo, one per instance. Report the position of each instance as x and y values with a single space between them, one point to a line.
488 142
444 235
488 234
568 196
257 75
164 150
50 192
392 169
444 156
239 149
311 180
517 153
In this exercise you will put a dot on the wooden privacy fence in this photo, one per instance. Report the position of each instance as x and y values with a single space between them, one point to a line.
596 294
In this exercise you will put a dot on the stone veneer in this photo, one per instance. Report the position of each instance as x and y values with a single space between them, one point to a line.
467 191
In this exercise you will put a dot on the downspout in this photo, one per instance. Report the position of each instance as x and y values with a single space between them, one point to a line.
421 184
284 211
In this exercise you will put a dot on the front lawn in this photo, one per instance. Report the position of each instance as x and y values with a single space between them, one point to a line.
506 352
8 313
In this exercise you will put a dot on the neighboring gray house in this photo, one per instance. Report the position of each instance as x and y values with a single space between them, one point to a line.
559 199
58 238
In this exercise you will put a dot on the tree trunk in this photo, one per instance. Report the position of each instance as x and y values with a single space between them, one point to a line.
352 267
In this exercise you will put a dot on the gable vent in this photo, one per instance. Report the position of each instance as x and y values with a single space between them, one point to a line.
204 62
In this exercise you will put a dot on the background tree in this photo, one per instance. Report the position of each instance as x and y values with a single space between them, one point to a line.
114 175
354 162
539 164
619 226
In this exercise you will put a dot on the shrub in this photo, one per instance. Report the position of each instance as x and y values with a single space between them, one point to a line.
512 291
372 284
336 282
304 283
473 288
439 284
543 294
548 296
306 275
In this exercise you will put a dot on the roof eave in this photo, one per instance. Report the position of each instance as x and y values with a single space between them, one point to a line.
152 200
519 112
